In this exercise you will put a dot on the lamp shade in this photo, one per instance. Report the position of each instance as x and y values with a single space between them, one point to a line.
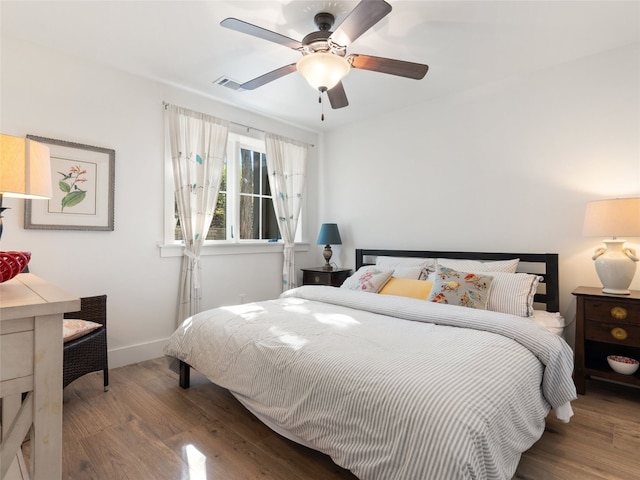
323 70
329 234
25 168
612 218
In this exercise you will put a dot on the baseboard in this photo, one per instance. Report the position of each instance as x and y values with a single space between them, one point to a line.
119 357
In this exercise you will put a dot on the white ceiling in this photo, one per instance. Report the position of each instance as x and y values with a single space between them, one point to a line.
466 44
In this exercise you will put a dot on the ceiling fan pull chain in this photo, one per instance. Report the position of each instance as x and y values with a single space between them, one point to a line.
321 90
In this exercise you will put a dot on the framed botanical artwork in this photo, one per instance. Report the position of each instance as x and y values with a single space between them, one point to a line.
83 187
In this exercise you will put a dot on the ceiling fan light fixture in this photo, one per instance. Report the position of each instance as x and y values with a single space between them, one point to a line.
323 70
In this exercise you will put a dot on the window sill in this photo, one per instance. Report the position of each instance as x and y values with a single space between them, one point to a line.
177 249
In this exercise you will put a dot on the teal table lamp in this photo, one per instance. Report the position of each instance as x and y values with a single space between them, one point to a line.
329 235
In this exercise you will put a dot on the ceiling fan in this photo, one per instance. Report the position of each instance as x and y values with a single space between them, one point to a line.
324 62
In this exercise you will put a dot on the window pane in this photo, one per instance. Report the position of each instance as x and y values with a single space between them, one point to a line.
269 222
178 228
256 173
223 180
218 229
248 218
246 171
266 187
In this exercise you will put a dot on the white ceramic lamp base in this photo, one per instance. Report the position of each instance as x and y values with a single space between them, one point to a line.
616 267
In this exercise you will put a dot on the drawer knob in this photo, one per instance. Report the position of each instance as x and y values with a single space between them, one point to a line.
619 313
619 333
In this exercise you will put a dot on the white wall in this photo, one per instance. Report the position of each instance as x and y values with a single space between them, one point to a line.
508 168
505 168
56 96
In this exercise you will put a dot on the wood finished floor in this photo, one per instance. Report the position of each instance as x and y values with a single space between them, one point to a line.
146 427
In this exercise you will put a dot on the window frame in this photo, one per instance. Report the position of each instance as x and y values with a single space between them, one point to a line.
251 139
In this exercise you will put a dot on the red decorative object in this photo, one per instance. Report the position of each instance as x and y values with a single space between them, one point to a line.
12 263
627 360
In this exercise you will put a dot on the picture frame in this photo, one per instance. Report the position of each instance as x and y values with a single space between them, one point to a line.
83 187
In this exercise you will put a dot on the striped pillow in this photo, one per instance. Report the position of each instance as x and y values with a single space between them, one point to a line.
513 293
506 266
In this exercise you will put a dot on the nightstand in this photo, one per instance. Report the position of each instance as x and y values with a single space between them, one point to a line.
320 276
605 325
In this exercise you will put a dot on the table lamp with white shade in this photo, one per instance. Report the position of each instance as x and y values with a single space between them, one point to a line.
615 265
25 170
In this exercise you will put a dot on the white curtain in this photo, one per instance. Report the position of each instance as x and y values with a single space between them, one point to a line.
286 164
198 143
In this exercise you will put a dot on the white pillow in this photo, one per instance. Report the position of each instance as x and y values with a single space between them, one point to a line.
513 293
552 321
413 273
408 267
475 266
369 278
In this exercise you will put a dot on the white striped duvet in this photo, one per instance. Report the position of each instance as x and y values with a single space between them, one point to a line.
404 393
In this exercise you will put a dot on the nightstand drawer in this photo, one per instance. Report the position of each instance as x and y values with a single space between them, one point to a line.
317 278
320 276
612 311
612 332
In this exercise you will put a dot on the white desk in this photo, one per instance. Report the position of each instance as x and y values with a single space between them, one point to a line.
31 312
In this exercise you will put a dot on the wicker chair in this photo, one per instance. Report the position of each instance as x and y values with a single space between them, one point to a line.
88 353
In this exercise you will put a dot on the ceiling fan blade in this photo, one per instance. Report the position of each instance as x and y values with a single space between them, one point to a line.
263 33
364 16
268 77
401 68
337 96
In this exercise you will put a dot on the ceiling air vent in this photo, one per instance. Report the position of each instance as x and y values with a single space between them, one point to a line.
227 82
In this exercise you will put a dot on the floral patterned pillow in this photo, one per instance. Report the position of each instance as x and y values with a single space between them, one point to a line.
368 279
461 288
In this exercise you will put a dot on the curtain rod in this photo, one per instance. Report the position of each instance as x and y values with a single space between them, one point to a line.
165 105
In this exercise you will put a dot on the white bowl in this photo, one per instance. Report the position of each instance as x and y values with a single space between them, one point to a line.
624 365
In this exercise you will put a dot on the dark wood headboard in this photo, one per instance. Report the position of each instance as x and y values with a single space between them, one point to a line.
543 264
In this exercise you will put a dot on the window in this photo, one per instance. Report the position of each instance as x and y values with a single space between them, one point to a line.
244 210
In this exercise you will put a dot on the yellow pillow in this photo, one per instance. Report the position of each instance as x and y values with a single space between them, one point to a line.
407 287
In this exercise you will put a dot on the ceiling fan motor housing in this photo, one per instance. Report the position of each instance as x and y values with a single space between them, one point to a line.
324 20
316 42
319 41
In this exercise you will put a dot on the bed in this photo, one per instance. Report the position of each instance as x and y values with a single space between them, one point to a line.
392 386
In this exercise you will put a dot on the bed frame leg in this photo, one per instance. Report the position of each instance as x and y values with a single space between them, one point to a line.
185 375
